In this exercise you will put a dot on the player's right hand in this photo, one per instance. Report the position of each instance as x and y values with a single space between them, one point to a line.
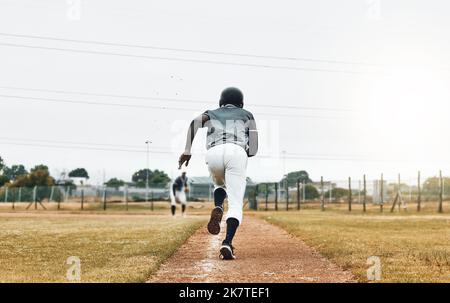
184 158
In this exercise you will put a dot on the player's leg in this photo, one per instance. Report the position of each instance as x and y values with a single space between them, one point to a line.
217 213
173 204
219 196
183 201
235 176
214 160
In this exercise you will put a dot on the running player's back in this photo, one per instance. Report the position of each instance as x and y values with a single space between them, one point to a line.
228 124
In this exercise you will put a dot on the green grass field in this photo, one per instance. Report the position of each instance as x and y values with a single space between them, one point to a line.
112 248
128 246
412 247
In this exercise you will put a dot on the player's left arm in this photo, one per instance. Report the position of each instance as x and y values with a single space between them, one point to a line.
192 131
252 138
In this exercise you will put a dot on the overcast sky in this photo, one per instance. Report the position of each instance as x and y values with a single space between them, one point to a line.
372 95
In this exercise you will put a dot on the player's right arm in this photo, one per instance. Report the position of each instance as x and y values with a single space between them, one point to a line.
192 131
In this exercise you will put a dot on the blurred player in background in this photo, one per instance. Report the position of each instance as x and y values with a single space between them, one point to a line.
178 194
232 137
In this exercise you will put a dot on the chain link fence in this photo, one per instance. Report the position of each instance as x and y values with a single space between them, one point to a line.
382 194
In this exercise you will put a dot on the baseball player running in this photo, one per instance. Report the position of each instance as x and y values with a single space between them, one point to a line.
232 137
178 194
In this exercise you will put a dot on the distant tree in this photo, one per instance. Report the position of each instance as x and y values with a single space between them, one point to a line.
38 177
14 171
301 176
3 180
311 192
115 183
39 167
140 177
155 177
79 173
159 177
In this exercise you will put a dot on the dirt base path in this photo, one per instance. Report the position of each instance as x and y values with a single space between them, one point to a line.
265 253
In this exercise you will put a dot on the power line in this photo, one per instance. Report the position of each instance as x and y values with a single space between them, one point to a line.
165 149
78 147
167 99
25 98
93 102
73 142
185 60
169 152
209 52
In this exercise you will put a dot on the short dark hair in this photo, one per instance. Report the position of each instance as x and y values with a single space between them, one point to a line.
232 95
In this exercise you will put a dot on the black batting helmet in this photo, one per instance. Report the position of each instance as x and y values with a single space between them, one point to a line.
232 95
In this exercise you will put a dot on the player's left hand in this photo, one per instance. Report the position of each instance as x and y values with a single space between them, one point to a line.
186 189
184 158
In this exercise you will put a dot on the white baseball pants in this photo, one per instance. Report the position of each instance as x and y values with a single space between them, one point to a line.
227 164
180 195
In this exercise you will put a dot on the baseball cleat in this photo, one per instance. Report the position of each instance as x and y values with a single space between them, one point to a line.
227 252
214 221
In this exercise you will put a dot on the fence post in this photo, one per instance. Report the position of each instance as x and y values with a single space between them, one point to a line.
104 198
382 193
419 192
322 198
6 194
276 196
364 193
298 194
82 199
349 194
267 195
287 194
152 201
125 196
13 202
59 200
34 197
359 191
304 191
256 204
441 182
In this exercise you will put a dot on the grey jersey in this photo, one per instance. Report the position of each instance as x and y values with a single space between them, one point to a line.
229 124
